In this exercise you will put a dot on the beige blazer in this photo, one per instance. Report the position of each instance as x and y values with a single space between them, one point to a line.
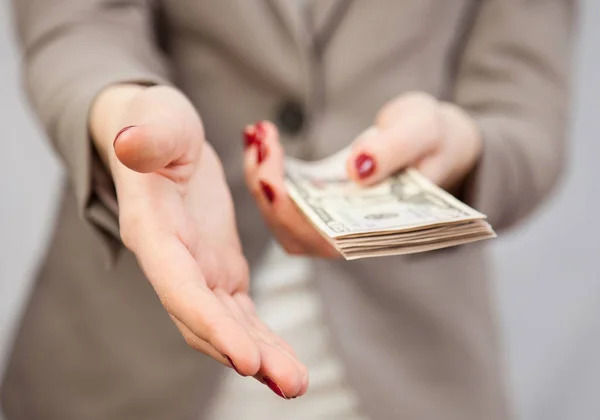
417 333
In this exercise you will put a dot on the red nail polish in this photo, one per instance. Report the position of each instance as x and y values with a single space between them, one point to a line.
249 136
267 191
254 134
121 131
274 387
365 165
233 365
261 152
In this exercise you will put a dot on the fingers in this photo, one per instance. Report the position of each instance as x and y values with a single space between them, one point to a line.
277 363
247 307
266 192
407 131
197 343
286 386
179 283
275 372
264 170
214 322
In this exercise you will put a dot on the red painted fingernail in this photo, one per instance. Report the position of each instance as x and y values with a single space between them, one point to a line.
254 134
261 152
249 136
233 365
267 191
365 165
121 131
274 387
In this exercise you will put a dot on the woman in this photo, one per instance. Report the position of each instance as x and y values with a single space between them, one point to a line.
150 96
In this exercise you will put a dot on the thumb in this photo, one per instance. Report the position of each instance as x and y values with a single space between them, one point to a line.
148 147
160 127
379 152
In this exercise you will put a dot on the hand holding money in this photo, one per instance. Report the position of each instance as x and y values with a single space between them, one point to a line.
264 164
363 201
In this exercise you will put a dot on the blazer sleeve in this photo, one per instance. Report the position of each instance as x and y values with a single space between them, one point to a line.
72 49
513 79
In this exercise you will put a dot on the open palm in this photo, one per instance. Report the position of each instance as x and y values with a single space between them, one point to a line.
176 215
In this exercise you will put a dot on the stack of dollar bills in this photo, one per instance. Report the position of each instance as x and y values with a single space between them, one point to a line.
404 214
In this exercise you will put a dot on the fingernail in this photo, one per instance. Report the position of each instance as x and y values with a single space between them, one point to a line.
365 165
274 387
121 131
254 134
261 152
249 136
267 191
233 365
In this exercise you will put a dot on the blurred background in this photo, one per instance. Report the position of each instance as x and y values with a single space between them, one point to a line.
548 274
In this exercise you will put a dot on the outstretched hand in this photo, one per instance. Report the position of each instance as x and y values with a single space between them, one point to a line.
176 215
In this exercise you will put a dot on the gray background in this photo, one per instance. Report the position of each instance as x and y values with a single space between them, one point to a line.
548 279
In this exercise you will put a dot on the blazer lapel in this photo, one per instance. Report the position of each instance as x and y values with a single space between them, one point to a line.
313 26
310 29
327 15
292 20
